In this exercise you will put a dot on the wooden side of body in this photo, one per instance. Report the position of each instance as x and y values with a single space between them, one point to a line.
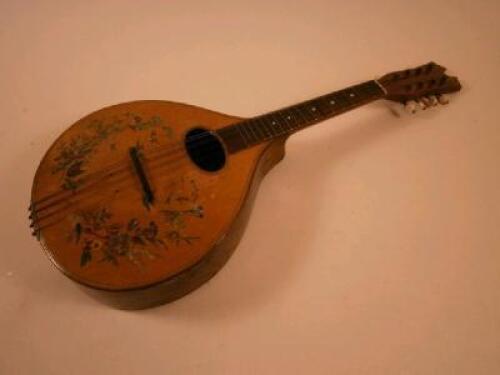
98 232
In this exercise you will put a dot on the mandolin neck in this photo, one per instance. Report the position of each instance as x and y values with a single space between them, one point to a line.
291 119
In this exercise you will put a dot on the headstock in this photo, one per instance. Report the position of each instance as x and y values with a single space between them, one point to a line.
422 86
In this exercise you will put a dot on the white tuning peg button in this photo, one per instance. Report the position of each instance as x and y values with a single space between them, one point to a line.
411 106
427 102
443 99
434 100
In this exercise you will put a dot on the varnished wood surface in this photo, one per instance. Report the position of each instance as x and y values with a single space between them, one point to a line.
193 277
220 196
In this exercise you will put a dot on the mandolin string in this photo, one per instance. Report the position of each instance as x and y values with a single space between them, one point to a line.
72 193
171 152
118 183
93 177
152 167
123 178
176 147
97 174
110 172
70 204
157 154
80 198
115 180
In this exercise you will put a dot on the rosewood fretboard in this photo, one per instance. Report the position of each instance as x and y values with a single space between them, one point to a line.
288 120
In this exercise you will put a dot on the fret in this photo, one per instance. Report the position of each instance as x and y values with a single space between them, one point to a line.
350 97
370 90
304 121
258 129
284 120
358 91
342 101
375 89
275 131
225 132
361 93
244 130
359 96
235 134
322 111
366 90
274 125
305 114
304 109
234 141
247 124
240 132
329 105
265 134
293 118
276 122
331 102
264 127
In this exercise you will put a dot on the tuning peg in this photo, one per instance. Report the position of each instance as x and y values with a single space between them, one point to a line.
443 99
434 100
427 102
411 106
421 104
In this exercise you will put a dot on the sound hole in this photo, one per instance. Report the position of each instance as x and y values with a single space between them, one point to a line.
205 149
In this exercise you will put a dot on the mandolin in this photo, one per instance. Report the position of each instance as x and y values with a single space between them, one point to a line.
142 202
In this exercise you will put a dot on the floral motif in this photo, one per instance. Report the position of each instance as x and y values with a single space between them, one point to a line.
181 203
176 220
115 241
112 241
75 153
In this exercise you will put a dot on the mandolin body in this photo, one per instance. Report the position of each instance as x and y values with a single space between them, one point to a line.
89 211
143 202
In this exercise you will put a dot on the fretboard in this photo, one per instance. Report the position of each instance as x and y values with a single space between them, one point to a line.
288 120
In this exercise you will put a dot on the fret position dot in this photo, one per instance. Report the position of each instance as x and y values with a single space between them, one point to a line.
351 95
332 102
289 117
273 123
313 109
